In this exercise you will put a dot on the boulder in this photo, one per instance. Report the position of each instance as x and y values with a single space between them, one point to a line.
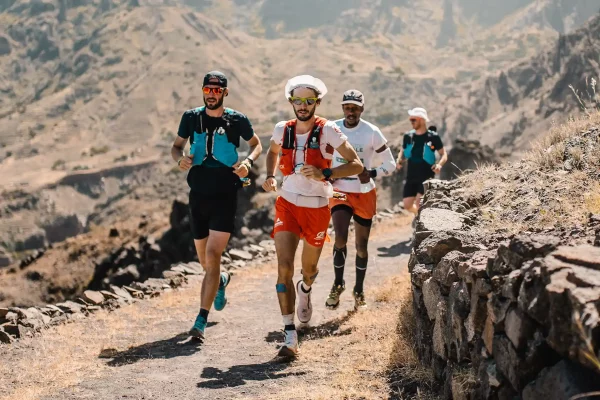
562 381
93 297
438 219
237 254
438 244
420 274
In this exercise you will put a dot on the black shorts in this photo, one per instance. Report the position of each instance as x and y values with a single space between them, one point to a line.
412 188
367 223
212 212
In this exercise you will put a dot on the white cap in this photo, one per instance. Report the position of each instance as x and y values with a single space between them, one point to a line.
418 112
353 96
306 81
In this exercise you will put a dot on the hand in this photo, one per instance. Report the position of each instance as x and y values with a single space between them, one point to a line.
312 172
186 162
241 169
270 185
399 163
365 176
436 168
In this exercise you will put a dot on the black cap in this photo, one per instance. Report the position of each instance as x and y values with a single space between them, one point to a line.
215 78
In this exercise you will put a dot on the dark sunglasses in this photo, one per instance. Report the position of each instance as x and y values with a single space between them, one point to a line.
308 100
216 90
412 120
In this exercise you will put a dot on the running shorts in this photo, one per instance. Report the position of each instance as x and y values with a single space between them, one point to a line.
309 224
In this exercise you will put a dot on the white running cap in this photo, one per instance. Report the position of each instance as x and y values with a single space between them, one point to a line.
306 81
353 96
419 112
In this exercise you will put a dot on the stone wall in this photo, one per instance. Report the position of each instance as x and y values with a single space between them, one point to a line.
504 317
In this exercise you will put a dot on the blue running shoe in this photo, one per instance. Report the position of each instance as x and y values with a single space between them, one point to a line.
197 330
221 298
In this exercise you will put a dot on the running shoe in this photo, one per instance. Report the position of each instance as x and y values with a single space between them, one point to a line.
197 330
290 345
221 298
333 301
359 301
304 304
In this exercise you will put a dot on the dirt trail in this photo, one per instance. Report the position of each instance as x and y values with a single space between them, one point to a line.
142 352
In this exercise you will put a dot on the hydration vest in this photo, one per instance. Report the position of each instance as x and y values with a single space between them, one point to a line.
428 148
223 146
312 149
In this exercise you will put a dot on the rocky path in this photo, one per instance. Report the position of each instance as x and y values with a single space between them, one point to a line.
142 351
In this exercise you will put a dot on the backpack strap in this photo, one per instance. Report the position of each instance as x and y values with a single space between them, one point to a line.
289 131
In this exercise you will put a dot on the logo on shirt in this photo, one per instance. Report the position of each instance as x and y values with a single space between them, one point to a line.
279 222
320 236
220 131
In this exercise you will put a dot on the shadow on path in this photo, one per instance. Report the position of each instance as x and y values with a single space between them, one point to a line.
395 250
239 375
326 329
181 345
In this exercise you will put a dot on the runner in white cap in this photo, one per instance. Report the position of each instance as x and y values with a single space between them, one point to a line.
360 200
306 144
419 147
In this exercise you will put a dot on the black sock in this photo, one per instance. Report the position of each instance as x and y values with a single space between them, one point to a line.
291 327
204 313
361 271
339 261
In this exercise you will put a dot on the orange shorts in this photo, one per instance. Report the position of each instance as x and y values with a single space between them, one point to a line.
309 223
362 204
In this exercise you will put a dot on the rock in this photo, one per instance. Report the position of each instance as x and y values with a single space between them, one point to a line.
184 269
93 297
517 369
237 264
195 266
71 307
420 274
114 232
562 381
497 309
533 298
256 249
109 295
438 219
583 256
529 247
439 330
419 237
125 276
139 289
456 333
445 272
5 337
3 312
5 258
438 244
475 267
169 274
63 227
122 293
475 323
431 297
518 327
512 285
237 254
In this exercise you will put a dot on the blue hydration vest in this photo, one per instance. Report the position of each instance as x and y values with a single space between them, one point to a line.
224 144
428 151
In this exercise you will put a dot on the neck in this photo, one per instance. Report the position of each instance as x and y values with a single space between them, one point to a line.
347 125
215 113
305 126
421 130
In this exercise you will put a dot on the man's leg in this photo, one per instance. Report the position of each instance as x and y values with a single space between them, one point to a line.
341 216
362 230
286 244
310 270
215 245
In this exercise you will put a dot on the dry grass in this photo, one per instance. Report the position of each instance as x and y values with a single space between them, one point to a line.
372 356
555 185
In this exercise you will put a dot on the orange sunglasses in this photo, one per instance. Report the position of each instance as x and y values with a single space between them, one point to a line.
216 90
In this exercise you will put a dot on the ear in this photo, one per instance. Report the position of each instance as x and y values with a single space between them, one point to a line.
226 92
318 101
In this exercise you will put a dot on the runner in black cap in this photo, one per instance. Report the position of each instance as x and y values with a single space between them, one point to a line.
214 178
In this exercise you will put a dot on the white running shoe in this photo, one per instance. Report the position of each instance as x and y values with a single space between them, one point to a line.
290 345
304 304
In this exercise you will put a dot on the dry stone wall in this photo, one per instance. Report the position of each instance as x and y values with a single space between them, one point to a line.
504 317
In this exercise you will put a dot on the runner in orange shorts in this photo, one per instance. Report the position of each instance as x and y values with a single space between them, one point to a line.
360 193
306 144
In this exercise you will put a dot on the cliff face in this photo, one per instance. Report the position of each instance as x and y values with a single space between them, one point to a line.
511 109
505 274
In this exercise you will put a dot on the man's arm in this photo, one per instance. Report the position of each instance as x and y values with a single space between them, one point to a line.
184 162
242 168
388 164
270 183
438 166
353 166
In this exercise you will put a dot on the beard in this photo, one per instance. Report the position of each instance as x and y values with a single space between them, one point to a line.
214 106
307 116
352 122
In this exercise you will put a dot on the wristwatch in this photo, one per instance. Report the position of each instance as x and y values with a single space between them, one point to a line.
373 173
179 161
327 172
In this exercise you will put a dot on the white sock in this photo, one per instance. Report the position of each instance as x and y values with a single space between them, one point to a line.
306 288
288 319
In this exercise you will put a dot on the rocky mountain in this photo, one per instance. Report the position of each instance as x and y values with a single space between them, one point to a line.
507 111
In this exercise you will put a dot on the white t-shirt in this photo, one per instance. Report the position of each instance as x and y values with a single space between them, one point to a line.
298 183
366 139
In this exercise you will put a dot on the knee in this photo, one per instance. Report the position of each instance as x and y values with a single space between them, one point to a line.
285 271
212 255
341 239
361 250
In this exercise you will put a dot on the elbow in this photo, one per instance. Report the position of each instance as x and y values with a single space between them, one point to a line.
358 167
